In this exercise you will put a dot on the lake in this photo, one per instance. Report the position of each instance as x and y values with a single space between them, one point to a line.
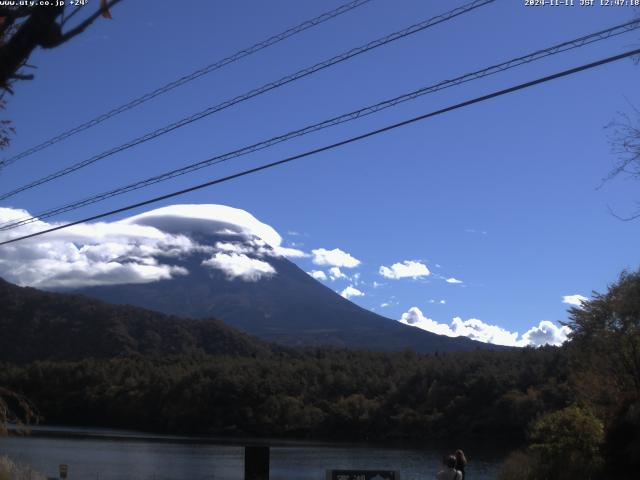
120 455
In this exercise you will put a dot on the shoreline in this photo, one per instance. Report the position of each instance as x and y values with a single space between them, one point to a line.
497 449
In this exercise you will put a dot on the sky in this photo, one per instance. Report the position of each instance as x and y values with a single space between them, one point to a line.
495 213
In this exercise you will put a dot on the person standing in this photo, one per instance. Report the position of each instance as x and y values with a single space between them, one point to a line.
448 471
461 462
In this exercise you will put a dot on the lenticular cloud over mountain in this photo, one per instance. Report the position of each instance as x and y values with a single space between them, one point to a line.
206 219
142 248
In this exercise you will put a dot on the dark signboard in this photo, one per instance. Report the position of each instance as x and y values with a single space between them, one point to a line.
362 475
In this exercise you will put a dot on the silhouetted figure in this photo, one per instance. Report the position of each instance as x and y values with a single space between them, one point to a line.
461 462
449 471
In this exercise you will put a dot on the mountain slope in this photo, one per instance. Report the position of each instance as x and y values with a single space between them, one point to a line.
214 261
289 308
38 325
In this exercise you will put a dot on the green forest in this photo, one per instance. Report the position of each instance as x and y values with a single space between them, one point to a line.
574 410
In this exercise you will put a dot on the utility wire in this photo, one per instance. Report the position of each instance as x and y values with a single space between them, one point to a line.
341 143
258 91
347 117
187 78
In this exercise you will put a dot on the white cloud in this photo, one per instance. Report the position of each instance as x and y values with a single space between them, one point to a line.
416 318
318 274
206 219
384 305
87 255
335 258
240 266
407 269
476 329
574 299
453 280
258 247
290 252
139 249
546 333
350 292
442 302
377 285
335 274
233 247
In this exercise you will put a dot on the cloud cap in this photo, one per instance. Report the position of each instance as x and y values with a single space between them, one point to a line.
140 249
206 219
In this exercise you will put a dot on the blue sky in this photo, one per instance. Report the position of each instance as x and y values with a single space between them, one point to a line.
501 195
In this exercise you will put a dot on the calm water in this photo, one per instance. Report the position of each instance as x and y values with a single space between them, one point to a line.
114 455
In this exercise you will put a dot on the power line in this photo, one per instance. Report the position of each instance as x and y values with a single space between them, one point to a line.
341 143
354 115
188 78
258 91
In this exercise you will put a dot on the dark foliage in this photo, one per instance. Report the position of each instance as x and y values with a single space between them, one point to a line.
605 368
319 392
38 325
85 362
24 28
621 448
598 437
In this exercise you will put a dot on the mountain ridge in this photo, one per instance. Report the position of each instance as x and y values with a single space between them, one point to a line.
289 308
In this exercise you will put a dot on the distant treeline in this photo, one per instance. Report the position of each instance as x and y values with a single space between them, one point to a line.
311 393
85 362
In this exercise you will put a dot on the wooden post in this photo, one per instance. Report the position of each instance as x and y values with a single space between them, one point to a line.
256 463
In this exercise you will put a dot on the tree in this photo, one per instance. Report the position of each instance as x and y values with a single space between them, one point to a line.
625 143
15 409
5 129
605 350
23 28
568 440
565 445
621 449
605 343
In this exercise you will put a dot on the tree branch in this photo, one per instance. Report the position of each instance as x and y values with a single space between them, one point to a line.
22 76
39 28
9 17
624 219
82 26
13 13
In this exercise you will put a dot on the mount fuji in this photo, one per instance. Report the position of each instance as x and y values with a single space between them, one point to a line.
236 270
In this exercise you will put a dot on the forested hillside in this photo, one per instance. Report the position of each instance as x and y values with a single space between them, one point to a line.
84 362
37 325
319 393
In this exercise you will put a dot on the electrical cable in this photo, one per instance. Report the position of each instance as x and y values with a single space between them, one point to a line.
253 93
186 78
354 115
332 146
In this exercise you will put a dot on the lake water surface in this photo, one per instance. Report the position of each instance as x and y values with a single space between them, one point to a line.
120 455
